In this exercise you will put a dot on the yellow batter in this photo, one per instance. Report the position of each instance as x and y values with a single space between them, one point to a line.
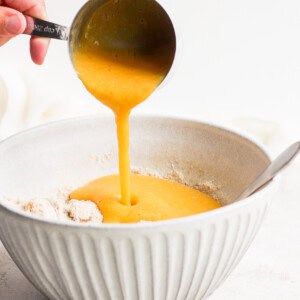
121 81
152 199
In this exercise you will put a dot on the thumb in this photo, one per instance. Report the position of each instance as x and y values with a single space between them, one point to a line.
12 23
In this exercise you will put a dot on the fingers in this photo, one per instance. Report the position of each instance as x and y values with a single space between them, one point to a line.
38 46
12 23
38 49
34 8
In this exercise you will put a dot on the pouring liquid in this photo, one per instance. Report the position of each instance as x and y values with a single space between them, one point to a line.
119 70
122 69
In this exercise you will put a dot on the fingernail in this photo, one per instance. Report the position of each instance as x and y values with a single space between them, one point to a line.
13 24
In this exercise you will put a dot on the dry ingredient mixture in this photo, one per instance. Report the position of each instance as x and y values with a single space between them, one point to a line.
57 207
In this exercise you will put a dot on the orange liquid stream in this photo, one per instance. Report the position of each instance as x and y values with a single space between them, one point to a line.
120 87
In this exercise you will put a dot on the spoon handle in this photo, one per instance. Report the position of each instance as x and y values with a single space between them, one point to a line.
42 28
276 166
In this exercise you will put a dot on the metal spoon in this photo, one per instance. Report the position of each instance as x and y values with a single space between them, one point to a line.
139 30
272 170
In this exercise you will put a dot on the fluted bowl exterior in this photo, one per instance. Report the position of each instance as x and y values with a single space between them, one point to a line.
184 260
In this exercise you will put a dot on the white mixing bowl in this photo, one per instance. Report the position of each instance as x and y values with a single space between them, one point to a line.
185 258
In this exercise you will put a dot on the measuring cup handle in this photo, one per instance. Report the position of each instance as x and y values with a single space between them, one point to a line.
38 27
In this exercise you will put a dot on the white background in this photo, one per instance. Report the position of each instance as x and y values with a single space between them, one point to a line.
238 64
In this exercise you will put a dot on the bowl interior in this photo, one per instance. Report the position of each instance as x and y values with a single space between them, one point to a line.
73 152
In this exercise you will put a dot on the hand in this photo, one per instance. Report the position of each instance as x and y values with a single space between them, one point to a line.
13 23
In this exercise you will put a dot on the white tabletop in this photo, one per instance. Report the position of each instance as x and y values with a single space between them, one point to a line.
238 65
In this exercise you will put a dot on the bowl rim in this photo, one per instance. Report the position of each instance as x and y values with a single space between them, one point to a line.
15 212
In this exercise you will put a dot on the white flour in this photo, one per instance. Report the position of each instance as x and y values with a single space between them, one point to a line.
58 207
